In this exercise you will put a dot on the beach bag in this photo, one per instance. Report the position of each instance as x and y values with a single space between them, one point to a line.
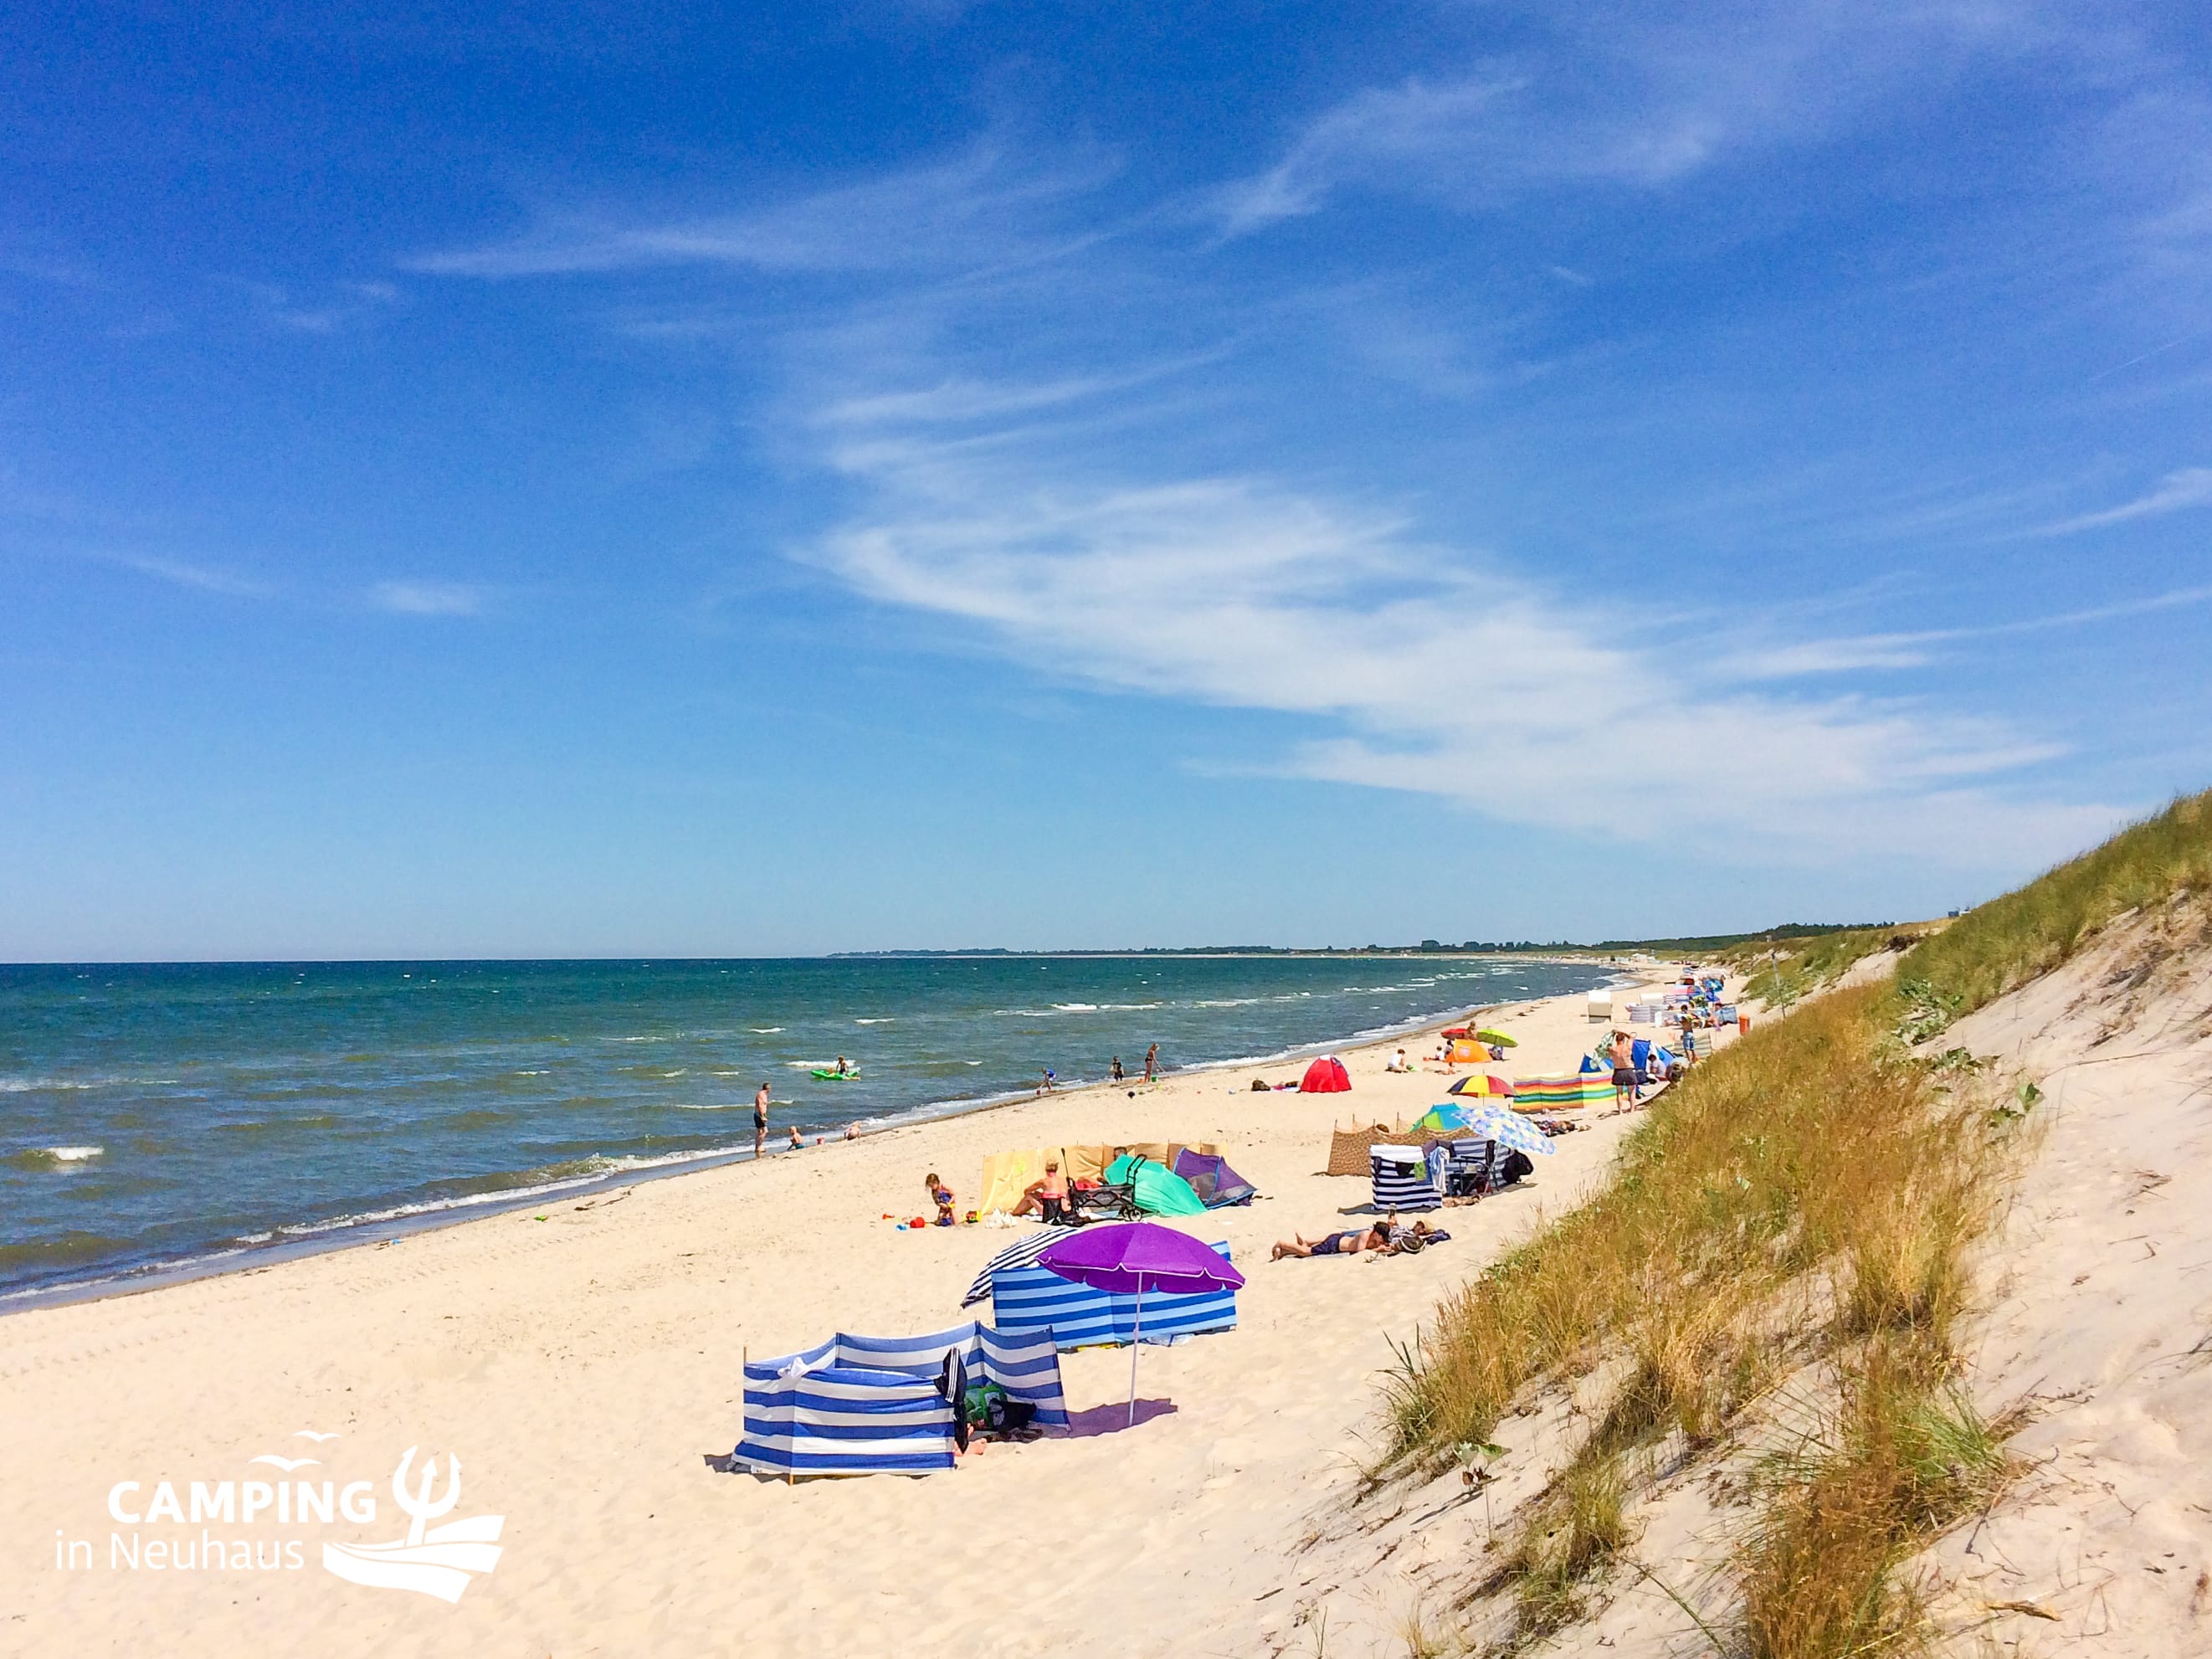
1517 1164
979 1400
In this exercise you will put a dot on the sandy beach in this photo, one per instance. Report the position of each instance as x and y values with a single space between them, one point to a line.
582 1361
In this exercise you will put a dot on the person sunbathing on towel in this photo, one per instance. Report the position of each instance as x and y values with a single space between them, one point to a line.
1048 1196
1349 1242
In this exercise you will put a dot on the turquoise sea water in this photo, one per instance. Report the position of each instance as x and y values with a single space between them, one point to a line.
156 1115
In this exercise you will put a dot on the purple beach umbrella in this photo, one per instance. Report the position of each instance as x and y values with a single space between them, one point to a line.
1137 1257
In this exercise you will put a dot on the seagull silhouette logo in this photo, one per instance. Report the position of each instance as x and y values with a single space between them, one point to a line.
286 1464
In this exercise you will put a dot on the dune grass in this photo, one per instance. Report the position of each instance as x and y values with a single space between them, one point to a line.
1812 1189
1809 1194
1783 973
2008 941
1753 1170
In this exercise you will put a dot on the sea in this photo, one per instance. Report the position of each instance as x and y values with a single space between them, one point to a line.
159 1119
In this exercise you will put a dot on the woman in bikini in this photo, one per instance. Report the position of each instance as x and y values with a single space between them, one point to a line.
1046 1197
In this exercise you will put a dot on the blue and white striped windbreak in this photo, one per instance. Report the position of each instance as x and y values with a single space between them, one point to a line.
1029 1297
1398 1178
862 1405
1022 1253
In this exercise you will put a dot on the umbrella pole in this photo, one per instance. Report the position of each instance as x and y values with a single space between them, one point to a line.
1135 1340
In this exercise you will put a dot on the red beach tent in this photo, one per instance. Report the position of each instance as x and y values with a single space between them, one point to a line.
1325 1075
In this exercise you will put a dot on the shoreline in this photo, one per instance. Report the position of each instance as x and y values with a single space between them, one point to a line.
339 1235
585 1361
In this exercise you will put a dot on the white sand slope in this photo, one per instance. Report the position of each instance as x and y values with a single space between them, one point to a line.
582 1364
2102 1319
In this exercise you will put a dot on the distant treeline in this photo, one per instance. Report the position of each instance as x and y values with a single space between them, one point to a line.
1707 943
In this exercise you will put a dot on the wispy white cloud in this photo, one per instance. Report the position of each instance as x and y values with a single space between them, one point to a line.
976 208
1912 650
1417 667
1625 100
182 572
427 599
2191 486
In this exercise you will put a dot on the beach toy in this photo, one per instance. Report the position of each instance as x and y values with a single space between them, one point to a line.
829 1076
973 1217
918 1222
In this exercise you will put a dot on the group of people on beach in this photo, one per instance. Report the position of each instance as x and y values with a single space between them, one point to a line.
1049 1082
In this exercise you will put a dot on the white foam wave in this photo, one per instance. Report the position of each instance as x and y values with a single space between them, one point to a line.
72 1154
597 1169
888 1019
764 1030
27 1085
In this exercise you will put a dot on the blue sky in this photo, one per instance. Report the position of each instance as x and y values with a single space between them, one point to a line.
577 480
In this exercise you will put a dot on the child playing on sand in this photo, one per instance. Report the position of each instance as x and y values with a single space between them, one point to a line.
943 1196
796 1143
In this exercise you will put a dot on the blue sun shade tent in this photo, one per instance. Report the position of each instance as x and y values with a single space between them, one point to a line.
1027 1299
864 1405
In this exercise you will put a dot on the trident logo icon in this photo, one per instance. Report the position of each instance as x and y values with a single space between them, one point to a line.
417 1504
440 1561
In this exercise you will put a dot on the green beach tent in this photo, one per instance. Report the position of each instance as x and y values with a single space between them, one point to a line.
1160 1191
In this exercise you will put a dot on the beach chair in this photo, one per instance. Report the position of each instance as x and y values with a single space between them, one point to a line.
1399 1180
1468 1167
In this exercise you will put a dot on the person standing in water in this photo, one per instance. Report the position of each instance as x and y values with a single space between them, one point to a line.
760 1120
1153 1063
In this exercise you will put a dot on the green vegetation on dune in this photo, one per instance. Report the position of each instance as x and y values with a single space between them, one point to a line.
1781 974
1748 1234
1745 1232
2000 946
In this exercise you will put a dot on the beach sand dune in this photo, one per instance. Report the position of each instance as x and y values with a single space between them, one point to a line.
583 1359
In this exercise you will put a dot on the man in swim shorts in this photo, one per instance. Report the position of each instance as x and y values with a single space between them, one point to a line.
760 1120
1349 1242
